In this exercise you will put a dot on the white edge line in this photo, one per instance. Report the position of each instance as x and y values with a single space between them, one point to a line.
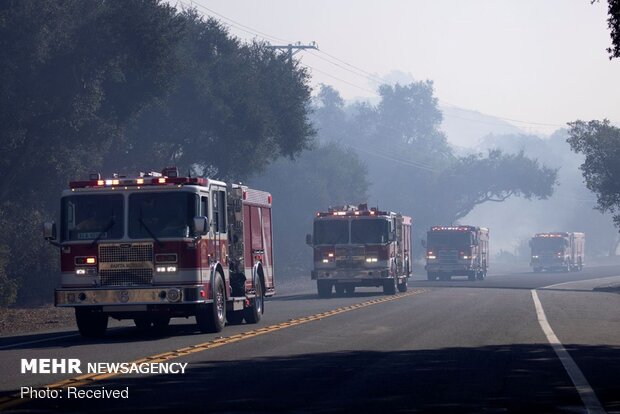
585 391
37 341
578 281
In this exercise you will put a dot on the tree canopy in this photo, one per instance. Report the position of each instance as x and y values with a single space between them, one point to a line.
599 142
234 108
121 85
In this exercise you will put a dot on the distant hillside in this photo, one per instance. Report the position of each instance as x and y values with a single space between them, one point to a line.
465 128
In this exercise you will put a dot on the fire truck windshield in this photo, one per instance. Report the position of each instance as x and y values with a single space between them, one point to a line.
331 231
370 231
154 215
548 243
450 239
91 217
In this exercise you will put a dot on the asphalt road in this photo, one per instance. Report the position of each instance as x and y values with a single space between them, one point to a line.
450 347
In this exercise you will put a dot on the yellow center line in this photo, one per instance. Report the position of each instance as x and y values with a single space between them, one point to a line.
15 399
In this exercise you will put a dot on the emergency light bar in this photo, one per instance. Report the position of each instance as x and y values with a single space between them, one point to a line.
170 176
551 235
452 228
349 210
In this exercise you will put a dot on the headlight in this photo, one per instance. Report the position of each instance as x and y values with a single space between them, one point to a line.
431 257
371 260
466 257
535 257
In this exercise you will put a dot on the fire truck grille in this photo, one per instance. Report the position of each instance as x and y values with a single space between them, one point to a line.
126 264
448 256
350 257
132 277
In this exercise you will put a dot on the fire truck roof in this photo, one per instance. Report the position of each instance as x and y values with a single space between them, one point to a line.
457 228
168 176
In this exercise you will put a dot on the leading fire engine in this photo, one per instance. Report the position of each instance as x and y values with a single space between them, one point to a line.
356 246
156 246
457 251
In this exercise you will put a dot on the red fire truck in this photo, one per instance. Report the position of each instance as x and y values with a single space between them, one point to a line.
457 251
156 246
357 246
558 251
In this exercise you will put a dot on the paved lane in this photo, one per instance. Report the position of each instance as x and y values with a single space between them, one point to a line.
451 347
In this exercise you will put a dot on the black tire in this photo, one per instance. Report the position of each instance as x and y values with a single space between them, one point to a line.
482 275
389 286
234 317
324 288
402 287
431 276
211 317
472 276
254 312
90 323
537 270
349 290
339 288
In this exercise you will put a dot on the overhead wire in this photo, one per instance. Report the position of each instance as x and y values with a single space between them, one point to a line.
353 69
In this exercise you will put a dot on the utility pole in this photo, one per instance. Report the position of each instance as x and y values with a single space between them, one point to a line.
297 47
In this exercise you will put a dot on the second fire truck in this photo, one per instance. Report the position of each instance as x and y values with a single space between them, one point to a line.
356 246
558 251
156 245
457 251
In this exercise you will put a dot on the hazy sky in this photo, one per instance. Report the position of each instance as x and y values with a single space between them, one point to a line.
541 61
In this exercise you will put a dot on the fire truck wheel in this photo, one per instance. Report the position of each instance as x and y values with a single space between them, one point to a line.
339 289
349 290
91 324
234 317
402 287
253 313
472 275
324 287
431 276
481 275
537 270
389 286
211 317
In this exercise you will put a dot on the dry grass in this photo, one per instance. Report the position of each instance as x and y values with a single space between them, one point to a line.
14 321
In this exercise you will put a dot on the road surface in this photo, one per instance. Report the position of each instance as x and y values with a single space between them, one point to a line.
515 342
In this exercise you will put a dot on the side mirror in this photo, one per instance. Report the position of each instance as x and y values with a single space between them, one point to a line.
49 230
200 225
475 242
309 239
423 243
392 236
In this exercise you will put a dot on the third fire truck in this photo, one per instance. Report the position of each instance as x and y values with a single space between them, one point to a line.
157 245
457 251
356 246
557 251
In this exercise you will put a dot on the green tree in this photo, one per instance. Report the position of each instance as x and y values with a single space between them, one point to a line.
599 142
476 179
74 73
234 109
613 23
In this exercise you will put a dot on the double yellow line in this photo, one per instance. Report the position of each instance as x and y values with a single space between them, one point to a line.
15 399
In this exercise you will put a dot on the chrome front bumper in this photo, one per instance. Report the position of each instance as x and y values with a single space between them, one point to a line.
161 295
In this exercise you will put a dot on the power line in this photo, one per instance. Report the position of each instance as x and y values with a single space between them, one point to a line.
361 72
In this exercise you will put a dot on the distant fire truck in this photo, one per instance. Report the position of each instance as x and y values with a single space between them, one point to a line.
457 251
558 251
357 246
157 246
